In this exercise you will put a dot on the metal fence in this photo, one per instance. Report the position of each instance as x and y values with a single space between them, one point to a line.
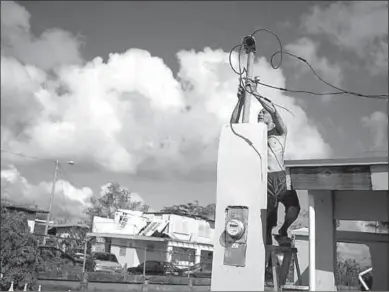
165 263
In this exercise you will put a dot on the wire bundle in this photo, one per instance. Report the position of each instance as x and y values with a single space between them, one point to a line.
241 71
281 52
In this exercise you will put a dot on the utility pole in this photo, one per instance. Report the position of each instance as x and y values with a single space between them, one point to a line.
51 200
249 46
52 197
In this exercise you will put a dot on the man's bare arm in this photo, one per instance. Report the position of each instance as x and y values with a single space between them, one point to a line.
238 108
279 123
270 108
236 113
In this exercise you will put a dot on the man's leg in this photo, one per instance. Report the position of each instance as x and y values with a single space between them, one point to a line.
271 220
272 205
292 210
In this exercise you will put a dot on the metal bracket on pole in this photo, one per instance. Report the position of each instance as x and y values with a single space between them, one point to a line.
249 44
250 48
51 201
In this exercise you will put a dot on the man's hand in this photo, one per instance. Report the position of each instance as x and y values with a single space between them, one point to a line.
241 92
252 85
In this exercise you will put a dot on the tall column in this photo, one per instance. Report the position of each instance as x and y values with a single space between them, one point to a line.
241 181
322 241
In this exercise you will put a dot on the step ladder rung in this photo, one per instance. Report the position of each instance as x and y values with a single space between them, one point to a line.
295 288
281 270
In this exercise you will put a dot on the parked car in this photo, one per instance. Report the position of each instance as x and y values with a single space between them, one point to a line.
89 263
53 258
105 262
155 268
199 270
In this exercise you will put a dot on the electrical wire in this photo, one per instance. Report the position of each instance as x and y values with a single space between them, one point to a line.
281 52
341 91
26 156
279 44
258 96
241 72
63 189
297 91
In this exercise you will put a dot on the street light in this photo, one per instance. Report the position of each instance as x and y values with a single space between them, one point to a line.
70 162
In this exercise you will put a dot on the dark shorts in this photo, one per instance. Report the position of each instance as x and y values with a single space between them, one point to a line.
277 192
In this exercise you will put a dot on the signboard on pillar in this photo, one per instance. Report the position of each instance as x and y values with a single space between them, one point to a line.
239 248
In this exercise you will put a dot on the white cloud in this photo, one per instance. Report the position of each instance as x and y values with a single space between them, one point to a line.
130 114
54 47
356 26
377 124
308 49
69 200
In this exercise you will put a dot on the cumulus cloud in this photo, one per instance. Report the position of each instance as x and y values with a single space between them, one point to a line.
69 201
51 49
356 26
130 114
308 49
377 124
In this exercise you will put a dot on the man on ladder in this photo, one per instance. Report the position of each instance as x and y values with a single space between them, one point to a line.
277 189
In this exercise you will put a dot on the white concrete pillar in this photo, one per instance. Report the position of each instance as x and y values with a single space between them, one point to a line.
241 181
379 253
322 241
169 254
197 255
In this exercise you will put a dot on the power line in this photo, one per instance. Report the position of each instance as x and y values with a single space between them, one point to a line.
63 189
26 156
281 52
377 96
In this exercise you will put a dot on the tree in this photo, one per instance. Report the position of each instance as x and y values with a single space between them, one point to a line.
379 225
19 257
192 208
114 198
347 271
74 240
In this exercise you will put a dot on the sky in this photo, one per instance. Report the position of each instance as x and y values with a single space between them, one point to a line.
137 92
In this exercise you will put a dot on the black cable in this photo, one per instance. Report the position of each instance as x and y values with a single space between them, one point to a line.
26 156
377 96
279 43
281 52
241 72
258 97
297 91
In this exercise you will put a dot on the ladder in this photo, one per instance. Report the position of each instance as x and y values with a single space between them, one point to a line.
280 270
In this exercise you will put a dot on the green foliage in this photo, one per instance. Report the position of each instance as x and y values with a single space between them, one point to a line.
19 257
193 209
75 241
114 198
379 225
347 271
